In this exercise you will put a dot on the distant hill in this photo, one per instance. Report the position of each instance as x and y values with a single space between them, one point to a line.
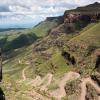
14 38
11 29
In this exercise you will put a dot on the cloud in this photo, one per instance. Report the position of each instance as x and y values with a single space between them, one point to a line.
32 9
36 10
85 2
34 5
18 8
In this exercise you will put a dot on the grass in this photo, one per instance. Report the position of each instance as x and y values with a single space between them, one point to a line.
19 38
53 87
86 41
89 37
82 46
56 65
43 28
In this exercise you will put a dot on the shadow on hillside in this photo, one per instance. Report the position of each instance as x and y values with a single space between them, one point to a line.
97 66
68 57
19 42
9 47
2 95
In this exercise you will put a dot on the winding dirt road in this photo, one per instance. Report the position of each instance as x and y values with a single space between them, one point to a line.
37 96
23 73
42 82
86 81
35 82
59 93
47 80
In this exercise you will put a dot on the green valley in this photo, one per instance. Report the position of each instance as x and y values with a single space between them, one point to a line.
58 59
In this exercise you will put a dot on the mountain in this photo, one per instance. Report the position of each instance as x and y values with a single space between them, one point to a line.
95 7
11 29
11 39
58 59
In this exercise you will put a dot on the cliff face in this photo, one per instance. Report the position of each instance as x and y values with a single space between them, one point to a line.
59 19
88 13
76 19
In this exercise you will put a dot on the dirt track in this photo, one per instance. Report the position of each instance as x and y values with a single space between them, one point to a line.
43 83
59 93
23 73
86 81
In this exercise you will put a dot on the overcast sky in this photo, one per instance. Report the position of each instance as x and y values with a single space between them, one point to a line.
18 13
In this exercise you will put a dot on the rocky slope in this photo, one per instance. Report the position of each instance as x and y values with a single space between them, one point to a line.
62 65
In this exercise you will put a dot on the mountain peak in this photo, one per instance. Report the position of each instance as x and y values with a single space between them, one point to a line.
96 4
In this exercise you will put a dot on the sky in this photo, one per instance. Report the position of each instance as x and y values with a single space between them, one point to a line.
27 13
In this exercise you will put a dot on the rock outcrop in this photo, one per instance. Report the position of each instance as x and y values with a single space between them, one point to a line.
90 13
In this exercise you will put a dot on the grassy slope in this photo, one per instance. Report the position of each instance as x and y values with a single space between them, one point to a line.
43 28
19 38
79 46
87 39
89 36
84 46
56 65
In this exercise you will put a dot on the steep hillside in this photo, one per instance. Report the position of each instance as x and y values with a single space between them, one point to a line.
43 28
15 39
61 60
86 47
50 55
89 38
